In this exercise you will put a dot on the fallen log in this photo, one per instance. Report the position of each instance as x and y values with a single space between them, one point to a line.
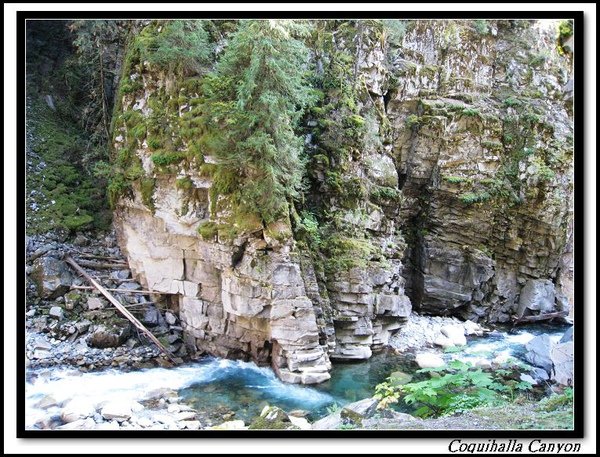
540 317
85 255
124 311
102 265
123 291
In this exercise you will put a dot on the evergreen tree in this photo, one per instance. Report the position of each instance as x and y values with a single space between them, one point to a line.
253 102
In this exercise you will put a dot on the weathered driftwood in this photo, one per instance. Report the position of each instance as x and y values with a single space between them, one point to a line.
540 317
85 255
120 307
102 265
122 291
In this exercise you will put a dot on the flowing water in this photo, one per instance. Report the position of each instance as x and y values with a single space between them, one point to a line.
245 388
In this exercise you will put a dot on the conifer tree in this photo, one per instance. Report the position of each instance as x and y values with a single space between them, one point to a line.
253 101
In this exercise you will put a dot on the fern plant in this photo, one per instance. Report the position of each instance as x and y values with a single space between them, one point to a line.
454 388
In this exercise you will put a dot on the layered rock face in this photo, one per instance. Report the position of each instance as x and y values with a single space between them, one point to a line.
460 189
244 301
484 149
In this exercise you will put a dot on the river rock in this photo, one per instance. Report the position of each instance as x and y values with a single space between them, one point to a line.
52 277
46 402
120 274
94 303
357 411
443 342
429 360
78 408
185 415
472 328
527 378
563 363
190 424
539 374
230 425
537 295
119 411
300 422
79 424
538 352
568 336
57 312
170 318
455 334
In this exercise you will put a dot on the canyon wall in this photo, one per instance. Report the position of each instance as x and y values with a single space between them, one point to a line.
455 197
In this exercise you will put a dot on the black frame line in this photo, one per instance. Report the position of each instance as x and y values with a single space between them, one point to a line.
579 158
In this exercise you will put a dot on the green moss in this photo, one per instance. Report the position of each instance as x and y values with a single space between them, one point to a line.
184 183
78 222
470 112
208 230
412 121
147 186
456 179
512 102
495 146
356 121
344 253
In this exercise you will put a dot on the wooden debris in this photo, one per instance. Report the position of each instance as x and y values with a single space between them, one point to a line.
122 291
124 311
540 317
102 265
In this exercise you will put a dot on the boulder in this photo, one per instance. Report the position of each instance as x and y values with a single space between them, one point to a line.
563 363
537 295
455 334
78 408
104 336
357 411
429 360
119 411
51 276
230 425
568 336
472 328
272 418
79 424
538 352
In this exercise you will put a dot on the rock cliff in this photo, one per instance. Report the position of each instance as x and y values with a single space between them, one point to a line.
445 169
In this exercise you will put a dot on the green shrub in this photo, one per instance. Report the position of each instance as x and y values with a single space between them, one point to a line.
384 194
456 179
470 197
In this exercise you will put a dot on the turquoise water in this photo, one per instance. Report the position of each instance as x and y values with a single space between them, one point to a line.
221 386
